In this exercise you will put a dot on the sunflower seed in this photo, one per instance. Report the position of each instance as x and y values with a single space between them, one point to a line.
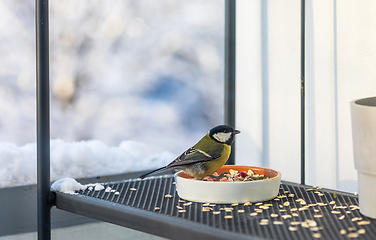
240 211
286 204
168 196
316 235
187 204
341 217
259 203
318 216
178 207
278 223
235 204
336 212
332 202
216 212
295 214
361 223
274 215
253 214
362 231
293 209
343 232
133 189
157 209
295 223
206 204
182 211
247 204
228 216
353 235
181 201
258 210
356 219
312 223
305 224
206 209
286 216
303 208
291 195
293 229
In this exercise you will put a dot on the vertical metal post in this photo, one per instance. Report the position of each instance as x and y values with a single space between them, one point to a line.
302 88
43 119
230 54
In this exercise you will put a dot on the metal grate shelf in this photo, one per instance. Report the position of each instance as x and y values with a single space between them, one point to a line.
152 205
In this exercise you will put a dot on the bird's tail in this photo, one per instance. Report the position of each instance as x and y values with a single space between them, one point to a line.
154 171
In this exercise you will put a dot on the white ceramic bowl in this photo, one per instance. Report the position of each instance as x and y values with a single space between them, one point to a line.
229 192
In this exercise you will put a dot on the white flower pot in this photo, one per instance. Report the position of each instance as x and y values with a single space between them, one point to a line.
363 116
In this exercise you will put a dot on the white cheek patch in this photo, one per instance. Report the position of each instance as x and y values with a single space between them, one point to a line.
222 137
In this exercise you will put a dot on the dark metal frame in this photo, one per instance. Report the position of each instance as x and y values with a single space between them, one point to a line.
230 68
302 96
44 196
43 119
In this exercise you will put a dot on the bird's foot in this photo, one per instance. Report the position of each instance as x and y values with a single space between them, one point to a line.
219 176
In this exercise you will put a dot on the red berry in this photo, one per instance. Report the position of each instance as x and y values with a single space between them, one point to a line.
242 174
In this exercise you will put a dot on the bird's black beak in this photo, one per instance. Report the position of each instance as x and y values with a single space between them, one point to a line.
236 132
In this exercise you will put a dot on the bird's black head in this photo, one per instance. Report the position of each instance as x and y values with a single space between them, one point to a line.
223 134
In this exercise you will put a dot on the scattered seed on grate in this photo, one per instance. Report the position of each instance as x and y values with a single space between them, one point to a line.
293 229
295 223
316 235
278 223
361 223
133 189
353 235
362 231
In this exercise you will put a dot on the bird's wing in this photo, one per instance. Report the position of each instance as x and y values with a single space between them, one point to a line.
193 155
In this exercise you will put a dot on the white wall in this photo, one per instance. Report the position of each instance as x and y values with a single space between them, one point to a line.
340 59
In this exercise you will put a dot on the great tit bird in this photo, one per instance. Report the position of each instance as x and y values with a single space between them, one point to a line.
207 156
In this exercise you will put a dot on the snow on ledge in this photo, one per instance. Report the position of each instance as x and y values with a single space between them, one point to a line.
70 186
